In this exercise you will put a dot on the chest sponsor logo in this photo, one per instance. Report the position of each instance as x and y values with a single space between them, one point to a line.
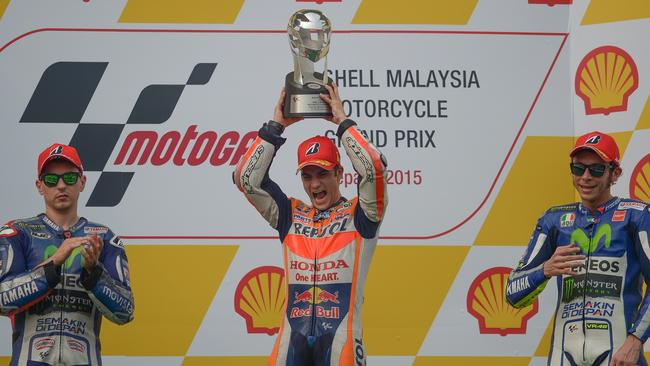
595 285
41 235
319 232
486 302
95 230
567 220
589 308
619 216
66 325
631 205
321 312
587 245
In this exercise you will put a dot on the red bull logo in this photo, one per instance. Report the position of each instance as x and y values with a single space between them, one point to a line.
316 296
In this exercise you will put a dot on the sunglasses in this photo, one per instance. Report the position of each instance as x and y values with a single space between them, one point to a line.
595 170
69 178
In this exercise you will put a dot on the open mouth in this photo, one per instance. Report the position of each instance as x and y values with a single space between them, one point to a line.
319 195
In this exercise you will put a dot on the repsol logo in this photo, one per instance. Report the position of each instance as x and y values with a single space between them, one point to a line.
319 232
359 352
65 91
602 265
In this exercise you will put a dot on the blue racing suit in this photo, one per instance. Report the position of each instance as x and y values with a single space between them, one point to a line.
56 311
601 302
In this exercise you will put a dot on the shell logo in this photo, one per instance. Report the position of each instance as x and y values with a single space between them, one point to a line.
486 302
605 79
260 299
640 180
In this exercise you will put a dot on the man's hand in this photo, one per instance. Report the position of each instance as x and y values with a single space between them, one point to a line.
66 248
628 354
278 114
334 100
91 251
563 260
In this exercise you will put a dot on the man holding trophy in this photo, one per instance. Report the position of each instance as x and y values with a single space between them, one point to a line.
328 245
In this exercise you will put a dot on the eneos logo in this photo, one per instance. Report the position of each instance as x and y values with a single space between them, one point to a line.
486 302
605 79
640 180
260 298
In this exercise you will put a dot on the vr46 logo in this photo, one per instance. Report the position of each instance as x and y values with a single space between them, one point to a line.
589 246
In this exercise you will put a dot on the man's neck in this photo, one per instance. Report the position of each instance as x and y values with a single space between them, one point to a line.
593 205
64 219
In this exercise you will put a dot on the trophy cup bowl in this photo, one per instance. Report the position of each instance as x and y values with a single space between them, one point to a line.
309 38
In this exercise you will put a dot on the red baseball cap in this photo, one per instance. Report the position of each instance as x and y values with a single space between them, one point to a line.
59 151
601 143
319 151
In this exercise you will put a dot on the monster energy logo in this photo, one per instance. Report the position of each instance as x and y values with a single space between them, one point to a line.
589 245
597 285
569 284
50 250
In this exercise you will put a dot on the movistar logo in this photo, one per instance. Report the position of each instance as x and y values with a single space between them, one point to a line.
589 245
50 250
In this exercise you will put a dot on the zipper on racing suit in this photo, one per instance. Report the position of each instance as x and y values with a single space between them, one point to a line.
311 339
66 235
594 223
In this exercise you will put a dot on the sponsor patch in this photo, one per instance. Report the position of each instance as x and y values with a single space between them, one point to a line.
567 220
41 235
95 230
601 326
632 205
619 216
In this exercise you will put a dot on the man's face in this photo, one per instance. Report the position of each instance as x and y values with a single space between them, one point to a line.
321 185
61 197
594 191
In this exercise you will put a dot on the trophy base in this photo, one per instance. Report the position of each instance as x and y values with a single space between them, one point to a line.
304 100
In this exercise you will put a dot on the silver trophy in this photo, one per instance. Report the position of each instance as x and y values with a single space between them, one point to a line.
309 37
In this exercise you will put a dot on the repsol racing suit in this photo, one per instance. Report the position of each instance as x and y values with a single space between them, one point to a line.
600 303
326 253
56 311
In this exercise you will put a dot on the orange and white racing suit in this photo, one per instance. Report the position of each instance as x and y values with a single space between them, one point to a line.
326 253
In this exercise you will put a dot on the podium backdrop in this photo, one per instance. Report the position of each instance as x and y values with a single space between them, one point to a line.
475 104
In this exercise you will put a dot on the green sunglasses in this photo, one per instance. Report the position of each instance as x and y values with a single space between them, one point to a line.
595 170
69 178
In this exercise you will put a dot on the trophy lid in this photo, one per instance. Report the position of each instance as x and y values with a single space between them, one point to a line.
309 34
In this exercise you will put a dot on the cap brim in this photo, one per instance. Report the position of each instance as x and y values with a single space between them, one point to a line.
327 165
597 151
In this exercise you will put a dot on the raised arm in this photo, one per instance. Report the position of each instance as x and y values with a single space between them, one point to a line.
252 173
